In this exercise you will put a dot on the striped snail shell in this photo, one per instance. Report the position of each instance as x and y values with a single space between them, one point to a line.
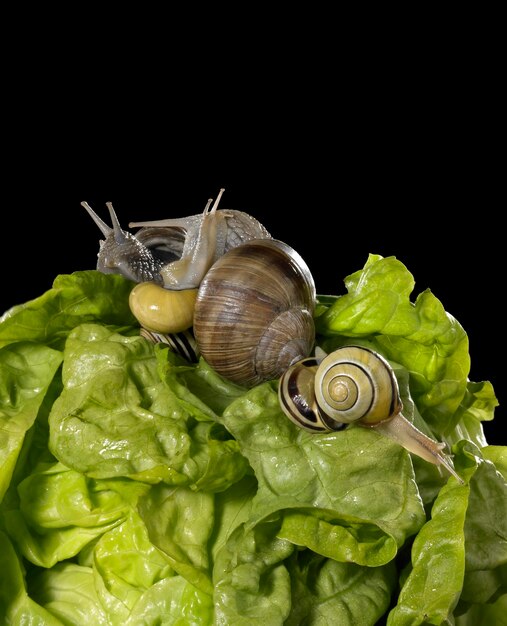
354 385
254 312
350 384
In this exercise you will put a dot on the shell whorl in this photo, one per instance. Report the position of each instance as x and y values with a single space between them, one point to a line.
355 383
254 312
351 384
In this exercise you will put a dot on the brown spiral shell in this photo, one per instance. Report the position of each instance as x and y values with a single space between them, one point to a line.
254 312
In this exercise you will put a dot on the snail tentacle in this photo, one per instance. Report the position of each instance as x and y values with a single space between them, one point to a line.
119 234
122 253
399 429
198 253
104 228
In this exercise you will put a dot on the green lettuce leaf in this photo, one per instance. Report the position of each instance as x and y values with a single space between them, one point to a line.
61 511
325 591
67 591
86 296
251 583
461 551
492 614
126 564
202 391
498 456
17 606
429 342
26 372
179 522
485 535
141 489
334 499
128 420
135 582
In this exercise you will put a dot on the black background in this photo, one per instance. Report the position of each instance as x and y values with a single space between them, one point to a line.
388 159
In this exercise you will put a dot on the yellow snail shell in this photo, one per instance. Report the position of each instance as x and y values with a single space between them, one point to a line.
359 385
350 384
162 310
354 384
254 312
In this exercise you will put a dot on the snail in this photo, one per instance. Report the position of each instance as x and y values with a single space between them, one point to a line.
248 298
254 312
169 258
357 385
137 257
175 253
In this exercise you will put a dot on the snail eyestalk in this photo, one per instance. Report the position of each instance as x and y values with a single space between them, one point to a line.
399 429
198 254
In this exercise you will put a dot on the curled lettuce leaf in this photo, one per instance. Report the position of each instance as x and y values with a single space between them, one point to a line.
457 557
326 591
26 372
60 511
86 296
129 422
428 341
334 499
17 605
179 522
251 583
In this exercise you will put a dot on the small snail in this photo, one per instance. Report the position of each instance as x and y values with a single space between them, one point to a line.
254 312
353 385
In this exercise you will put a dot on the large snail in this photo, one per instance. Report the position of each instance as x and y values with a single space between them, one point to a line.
254 312
248 298
353 385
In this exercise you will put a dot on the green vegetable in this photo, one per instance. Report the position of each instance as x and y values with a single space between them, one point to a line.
137 488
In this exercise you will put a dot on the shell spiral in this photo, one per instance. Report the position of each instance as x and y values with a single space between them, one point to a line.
254 312
351 384
354 383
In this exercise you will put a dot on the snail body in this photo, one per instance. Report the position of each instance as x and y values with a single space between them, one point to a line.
353 385
174 253
123 253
